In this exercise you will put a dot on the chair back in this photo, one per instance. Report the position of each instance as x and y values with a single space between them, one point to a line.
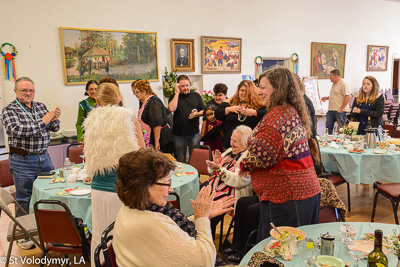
6 178
198 159
175 202
396 134
389 127
328 214
74 151
56 226
6 199
107 247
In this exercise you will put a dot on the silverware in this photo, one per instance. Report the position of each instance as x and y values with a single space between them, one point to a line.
56 187
276 229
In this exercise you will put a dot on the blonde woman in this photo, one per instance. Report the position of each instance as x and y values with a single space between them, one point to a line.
111 131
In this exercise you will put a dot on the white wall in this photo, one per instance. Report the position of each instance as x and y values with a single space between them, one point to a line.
269 28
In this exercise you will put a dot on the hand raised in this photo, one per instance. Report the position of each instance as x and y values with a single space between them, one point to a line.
217 158
222 206
177 90
203 203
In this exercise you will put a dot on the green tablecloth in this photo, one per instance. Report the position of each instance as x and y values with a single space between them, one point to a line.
362 168
187 187
314 231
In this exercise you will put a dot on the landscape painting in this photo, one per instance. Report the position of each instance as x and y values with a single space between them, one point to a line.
326 57
90 54
221 54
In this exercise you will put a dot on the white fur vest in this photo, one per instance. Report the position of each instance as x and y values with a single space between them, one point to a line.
109 134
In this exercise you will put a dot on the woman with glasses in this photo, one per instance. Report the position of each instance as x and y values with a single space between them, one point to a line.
148 230
85 106
111 131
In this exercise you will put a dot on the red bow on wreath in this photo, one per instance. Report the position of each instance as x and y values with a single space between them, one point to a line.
9 58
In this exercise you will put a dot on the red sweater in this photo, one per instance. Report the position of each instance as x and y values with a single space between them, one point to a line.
279 158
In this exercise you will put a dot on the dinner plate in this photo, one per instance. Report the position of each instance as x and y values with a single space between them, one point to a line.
80 192
376 151
329 260
365 246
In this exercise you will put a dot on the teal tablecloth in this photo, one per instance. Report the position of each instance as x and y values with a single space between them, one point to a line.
187 187
363 168
314 231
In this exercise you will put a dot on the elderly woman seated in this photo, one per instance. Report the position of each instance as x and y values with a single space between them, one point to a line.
225 179
148 230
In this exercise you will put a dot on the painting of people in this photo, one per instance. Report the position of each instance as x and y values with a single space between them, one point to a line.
377 58
90 54
221 54
326 57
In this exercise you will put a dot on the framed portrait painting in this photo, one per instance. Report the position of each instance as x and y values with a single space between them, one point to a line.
377 58
182 55
90 54
221 54
326 57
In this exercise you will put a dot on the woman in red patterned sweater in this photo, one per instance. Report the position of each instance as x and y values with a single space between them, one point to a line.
279 157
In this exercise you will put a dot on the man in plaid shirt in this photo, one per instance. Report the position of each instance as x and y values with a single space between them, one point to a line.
28 125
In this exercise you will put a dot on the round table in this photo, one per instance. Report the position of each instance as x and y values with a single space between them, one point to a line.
362 168
187 187
314 231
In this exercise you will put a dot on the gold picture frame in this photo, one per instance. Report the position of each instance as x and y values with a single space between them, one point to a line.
326 57
377 57
182 55
221 54
90 54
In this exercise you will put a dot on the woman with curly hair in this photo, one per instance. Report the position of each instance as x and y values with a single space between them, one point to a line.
279 158
244 108
368 103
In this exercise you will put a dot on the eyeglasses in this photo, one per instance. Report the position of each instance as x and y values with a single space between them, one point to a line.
164 184
26 91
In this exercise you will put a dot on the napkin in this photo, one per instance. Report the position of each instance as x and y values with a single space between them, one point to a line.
285 247
334 145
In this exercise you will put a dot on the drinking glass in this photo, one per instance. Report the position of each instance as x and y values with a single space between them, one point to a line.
326 133
309 251
335 131
83 161
356 255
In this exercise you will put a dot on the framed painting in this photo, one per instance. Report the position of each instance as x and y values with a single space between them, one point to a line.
182 55
326 57
377 58
221 54
90 54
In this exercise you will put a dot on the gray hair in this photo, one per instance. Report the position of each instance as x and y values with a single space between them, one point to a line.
244 133
21 79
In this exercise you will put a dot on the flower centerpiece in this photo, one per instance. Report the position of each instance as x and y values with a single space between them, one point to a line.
349 130
207 95
169 81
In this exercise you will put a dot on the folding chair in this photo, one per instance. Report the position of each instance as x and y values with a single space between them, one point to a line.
175 202
74 152
6 178
20 227
57 228
198 159
107 248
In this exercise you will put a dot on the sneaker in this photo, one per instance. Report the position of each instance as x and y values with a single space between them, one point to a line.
26 243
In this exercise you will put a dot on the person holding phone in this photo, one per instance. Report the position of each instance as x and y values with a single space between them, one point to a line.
187 106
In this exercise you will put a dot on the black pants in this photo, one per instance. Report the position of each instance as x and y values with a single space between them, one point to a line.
247 216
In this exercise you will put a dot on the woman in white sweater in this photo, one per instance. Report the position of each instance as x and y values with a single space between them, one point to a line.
225 177
148 230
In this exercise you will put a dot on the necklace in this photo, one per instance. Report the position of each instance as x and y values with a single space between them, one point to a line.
241 118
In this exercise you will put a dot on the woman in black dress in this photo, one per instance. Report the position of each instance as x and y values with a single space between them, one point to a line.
244 108
155 115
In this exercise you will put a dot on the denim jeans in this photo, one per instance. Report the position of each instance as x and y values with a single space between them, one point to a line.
25 171
293 213
182 142
332 116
